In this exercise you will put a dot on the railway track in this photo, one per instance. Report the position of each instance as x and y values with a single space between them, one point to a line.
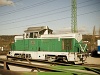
27 65
53 63
91 65
41 61
76 69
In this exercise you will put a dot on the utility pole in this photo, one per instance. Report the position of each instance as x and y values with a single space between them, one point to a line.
93 39
74 16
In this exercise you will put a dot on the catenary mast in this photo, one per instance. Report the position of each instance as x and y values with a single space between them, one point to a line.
74 16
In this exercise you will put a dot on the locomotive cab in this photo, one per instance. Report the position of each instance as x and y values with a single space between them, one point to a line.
36 32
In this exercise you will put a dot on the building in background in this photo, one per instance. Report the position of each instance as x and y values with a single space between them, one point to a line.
5 42
91 45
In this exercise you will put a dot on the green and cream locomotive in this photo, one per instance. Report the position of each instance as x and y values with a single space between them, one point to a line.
40 43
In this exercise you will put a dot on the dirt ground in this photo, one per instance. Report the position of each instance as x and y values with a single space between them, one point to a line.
92 60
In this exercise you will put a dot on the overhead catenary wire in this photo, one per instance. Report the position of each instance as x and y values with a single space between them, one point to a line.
36 14
28 7
46 14
36 17
52 20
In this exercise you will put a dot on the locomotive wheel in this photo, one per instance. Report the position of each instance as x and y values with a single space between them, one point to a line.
50 59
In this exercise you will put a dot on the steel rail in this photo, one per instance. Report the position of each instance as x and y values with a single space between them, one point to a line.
40 61
47 68
27 65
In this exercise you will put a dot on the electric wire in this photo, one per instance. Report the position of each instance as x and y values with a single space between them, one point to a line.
48 14
21 9
52 20
28 7
62 18
36 14
44 12
36 17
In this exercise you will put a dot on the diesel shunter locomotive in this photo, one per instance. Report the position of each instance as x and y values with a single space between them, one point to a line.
40 43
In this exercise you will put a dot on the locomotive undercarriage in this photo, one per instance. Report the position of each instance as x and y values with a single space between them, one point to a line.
23 55
56 58
50 58
77 58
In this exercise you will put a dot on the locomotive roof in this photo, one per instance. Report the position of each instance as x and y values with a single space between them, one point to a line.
69 35
77 36
37 29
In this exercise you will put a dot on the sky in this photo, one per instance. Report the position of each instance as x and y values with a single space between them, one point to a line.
17 15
